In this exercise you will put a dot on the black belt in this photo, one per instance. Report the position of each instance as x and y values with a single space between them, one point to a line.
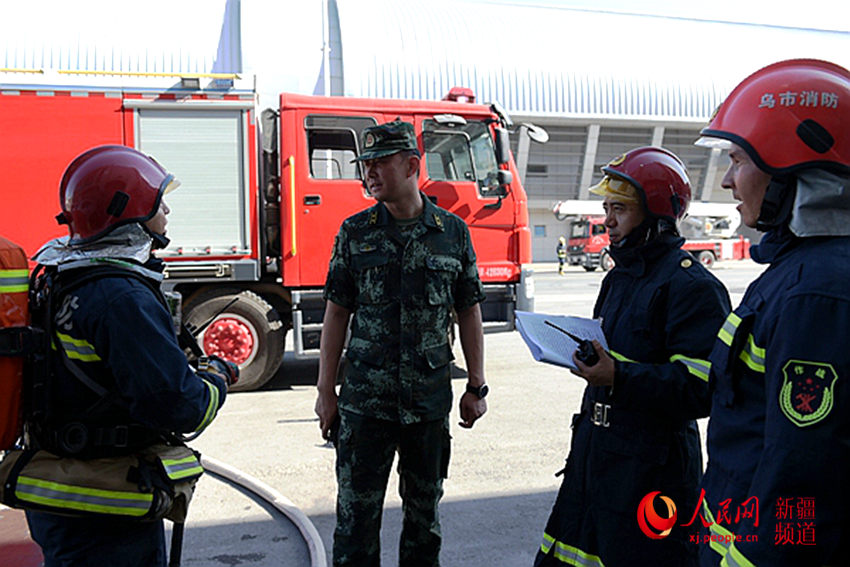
87 440
602 414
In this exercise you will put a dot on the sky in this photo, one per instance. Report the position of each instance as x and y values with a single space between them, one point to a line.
817 14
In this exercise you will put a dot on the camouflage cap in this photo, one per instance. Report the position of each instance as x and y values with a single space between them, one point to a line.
387 139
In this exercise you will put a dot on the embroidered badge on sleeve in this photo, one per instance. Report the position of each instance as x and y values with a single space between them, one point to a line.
807 391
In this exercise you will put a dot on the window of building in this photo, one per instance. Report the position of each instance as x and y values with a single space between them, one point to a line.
540 231
554 168
716 191
695 158
614 141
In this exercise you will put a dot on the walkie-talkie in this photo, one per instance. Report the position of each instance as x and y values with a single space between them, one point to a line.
585 351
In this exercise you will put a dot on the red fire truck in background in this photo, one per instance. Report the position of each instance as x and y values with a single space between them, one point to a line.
262 193
708 238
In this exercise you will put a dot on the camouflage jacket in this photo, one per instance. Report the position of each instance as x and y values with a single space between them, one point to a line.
401 289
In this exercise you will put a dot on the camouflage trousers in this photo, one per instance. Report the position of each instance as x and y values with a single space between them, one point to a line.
365 451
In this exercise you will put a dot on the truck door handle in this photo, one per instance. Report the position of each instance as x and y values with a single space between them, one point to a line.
311 200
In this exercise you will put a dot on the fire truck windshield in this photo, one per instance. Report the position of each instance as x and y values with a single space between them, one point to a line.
585 228
580 229
461 152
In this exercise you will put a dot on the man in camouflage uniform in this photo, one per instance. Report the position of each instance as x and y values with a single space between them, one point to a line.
398 268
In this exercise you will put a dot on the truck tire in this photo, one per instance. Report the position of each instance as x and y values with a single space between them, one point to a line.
249 332
606 261
706 258
589 268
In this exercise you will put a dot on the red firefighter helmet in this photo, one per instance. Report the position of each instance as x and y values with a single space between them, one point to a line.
110 186
789 115
659 176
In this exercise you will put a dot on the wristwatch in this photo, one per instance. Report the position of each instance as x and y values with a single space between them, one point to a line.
480 391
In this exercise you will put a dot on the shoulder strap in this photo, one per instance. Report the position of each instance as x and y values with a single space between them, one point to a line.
64 283
74 278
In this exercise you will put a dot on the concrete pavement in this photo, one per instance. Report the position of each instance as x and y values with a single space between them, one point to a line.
16 547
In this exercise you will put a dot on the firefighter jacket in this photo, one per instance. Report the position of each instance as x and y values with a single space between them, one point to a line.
561 250
119 334
401 286
776 490
660 311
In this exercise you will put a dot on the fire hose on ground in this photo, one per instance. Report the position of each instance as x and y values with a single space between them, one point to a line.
318 556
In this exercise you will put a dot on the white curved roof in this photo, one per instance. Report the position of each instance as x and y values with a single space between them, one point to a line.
562 61
536 60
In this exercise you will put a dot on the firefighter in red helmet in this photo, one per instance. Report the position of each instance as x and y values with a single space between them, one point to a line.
775 490
118 383
635 432
112 186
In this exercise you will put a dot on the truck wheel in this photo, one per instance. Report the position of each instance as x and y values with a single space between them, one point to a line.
249 332
606 261
706 258
589 268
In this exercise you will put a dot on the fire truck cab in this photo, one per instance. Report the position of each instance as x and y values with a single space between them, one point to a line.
588 242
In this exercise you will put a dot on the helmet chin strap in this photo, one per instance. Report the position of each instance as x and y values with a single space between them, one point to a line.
160 241
649 229
640 235
664 224
777 203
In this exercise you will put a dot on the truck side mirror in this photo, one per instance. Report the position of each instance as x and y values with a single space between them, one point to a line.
503 146
505 177
536 133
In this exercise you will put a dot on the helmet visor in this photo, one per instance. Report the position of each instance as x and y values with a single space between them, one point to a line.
170 183
616 189
711 142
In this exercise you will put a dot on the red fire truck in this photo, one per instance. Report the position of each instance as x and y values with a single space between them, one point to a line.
588 242
262 193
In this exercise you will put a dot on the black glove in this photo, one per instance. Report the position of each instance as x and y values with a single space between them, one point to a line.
217 365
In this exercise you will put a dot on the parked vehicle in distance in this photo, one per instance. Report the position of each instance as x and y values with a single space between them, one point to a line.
588 242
